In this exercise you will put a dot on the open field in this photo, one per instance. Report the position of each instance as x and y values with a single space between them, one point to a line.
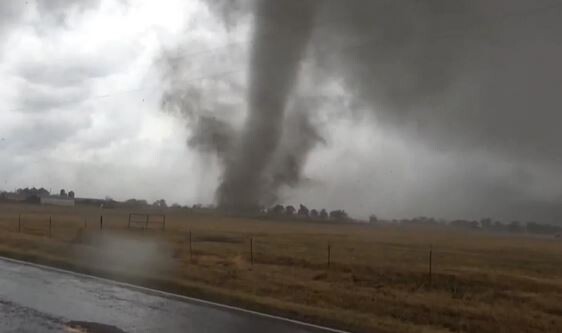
377 278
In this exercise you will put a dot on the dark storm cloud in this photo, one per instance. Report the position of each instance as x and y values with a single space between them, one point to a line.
475 76
468 76
463 74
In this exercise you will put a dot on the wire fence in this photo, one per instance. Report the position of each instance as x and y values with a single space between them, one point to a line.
303 251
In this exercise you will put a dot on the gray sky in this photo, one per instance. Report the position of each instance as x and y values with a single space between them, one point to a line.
81 87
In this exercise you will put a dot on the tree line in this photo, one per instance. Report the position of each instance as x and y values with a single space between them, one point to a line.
305 213
486 224
33 194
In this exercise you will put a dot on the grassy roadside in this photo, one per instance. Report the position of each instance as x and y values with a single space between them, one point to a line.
169 284
377 280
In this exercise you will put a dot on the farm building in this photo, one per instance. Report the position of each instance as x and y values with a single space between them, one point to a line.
57 200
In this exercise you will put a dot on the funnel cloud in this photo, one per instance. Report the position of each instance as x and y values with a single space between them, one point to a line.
281 33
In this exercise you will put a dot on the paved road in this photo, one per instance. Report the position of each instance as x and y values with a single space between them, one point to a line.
36 299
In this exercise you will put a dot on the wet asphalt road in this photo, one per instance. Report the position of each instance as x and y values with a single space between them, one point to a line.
34 299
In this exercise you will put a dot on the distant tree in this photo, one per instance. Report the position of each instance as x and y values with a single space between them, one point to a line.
545 229
32 194
175 205
136 203
464 224
323 214
71 194
42 192
314 213
424 220
303 211
62 193
277 210
514 226
290 210
498 226
160 203
338 214
373 218
33 198
420 220
486 223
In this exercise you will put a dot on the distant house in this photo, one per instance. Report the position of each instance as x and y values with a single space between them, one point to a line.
58 200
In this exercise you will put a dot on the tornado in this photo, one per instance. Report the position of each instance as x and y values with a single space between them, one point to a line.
282 30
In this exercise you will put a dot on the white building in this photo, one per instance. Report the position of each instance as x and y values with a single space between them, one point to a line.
56 200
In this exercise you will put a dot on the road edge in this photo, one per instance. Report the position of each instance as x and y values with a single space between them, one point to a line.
170 295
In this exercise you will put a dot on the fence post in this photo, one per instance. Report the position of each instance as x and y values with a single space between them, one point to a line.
164 223
329 255
252 251
101 222
430 257
129 223
190 248
50 226
146 222
85 223
19 223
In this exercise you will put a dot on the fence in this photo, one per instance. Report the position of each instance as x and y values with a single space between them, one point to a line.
305 251
144 221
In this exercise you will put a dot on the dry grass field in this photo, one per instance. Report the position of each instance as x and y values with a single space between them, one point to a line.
377 280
